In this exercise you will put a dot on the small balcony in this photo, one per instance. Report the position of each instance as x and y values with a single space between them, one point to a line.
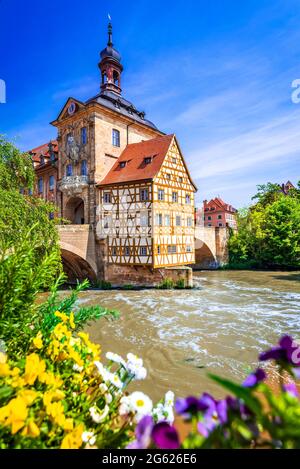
73 184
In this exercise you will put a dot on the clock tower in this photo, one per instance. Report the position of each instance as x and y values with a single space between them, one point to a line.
110 66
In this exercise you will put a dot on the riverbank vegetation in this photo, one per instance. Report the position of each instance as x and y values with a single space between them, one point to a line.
268 231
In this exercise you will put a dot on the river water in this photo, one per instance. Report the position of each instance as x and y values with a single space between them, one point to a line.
220 326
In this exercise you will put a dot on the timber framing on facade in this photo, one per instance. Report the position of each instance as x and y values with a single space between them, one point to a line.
146 206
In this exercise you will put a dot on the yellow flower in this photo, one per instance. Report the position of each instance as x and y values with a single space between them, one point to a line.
4 369
60 331
37 341
33 368
61 316
71 319
73 439
56 411
50 396
28 395
15 414
75 356
3 358
31 430
50 379
68 425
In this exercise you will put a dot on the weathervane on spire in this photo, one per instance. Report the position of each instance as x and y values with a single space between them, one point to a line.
110 43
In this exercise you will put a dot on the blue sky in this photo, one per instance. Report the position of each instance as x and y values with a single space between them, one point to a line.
218 74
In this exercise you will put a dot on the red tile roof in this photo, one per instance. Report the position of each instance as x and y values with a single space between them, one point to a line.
220 204
43 150
134 158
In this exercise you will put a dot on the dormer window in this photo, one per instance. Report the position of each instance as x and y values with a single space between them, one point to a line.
148 160
122 164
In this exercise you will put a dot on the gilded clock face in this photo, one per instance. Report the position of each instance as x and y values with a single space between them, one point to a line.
71 108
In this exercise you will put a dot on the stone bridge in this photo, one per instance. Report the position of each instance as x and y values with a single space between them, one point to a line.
211 247
79 252
82 256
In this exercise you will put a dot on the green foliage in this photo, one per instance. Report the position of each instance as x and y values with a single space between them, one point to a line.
180 284
269 231
166 284
128 286
67 305
29 251
104 285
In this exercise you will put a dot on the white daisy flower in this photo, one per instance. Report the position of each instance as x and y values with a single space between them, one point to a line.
124 407
88 437
114 379
108 398
77 367
169 398
103 388
96 416
102 370
140 403
138 372
114 357
134 360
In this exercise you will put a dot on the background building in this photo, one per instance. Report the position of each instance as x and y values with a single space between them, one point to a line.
218 213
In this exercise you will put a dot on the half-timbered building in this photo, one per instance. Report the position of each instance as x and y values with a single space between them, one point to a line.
146 206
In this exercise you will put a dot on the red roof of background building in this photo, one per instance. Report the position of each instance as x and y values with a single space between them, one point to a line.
43 150
220 204
134 156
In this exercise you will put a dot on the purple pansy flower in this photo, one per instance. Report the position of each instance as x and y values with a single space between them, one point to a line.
165 436
214 414
254 378
291 389
286 352
143 433
186 407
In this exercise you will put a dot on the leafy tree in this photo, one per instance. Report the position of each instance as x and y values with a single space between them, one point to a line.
269 231
29 251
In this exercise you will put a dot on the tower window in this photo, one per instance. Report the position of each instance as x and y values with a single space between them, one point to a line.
115 138
69 170
51 183
83 135
116 78
83 168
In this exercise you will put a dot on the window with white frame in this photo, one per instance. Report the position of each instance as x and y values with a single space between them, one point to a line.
40 185
127 251
51 182
143 250
187 198
172 249
174 197
115 137
144 194
167 220
113 251
83 135
178 220
189 221
161 194
158 249
107 197
188 248
144 219
159 219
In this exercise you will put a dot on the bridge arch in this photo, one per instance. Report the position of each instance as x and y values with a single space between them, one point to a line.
76 265
204 257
